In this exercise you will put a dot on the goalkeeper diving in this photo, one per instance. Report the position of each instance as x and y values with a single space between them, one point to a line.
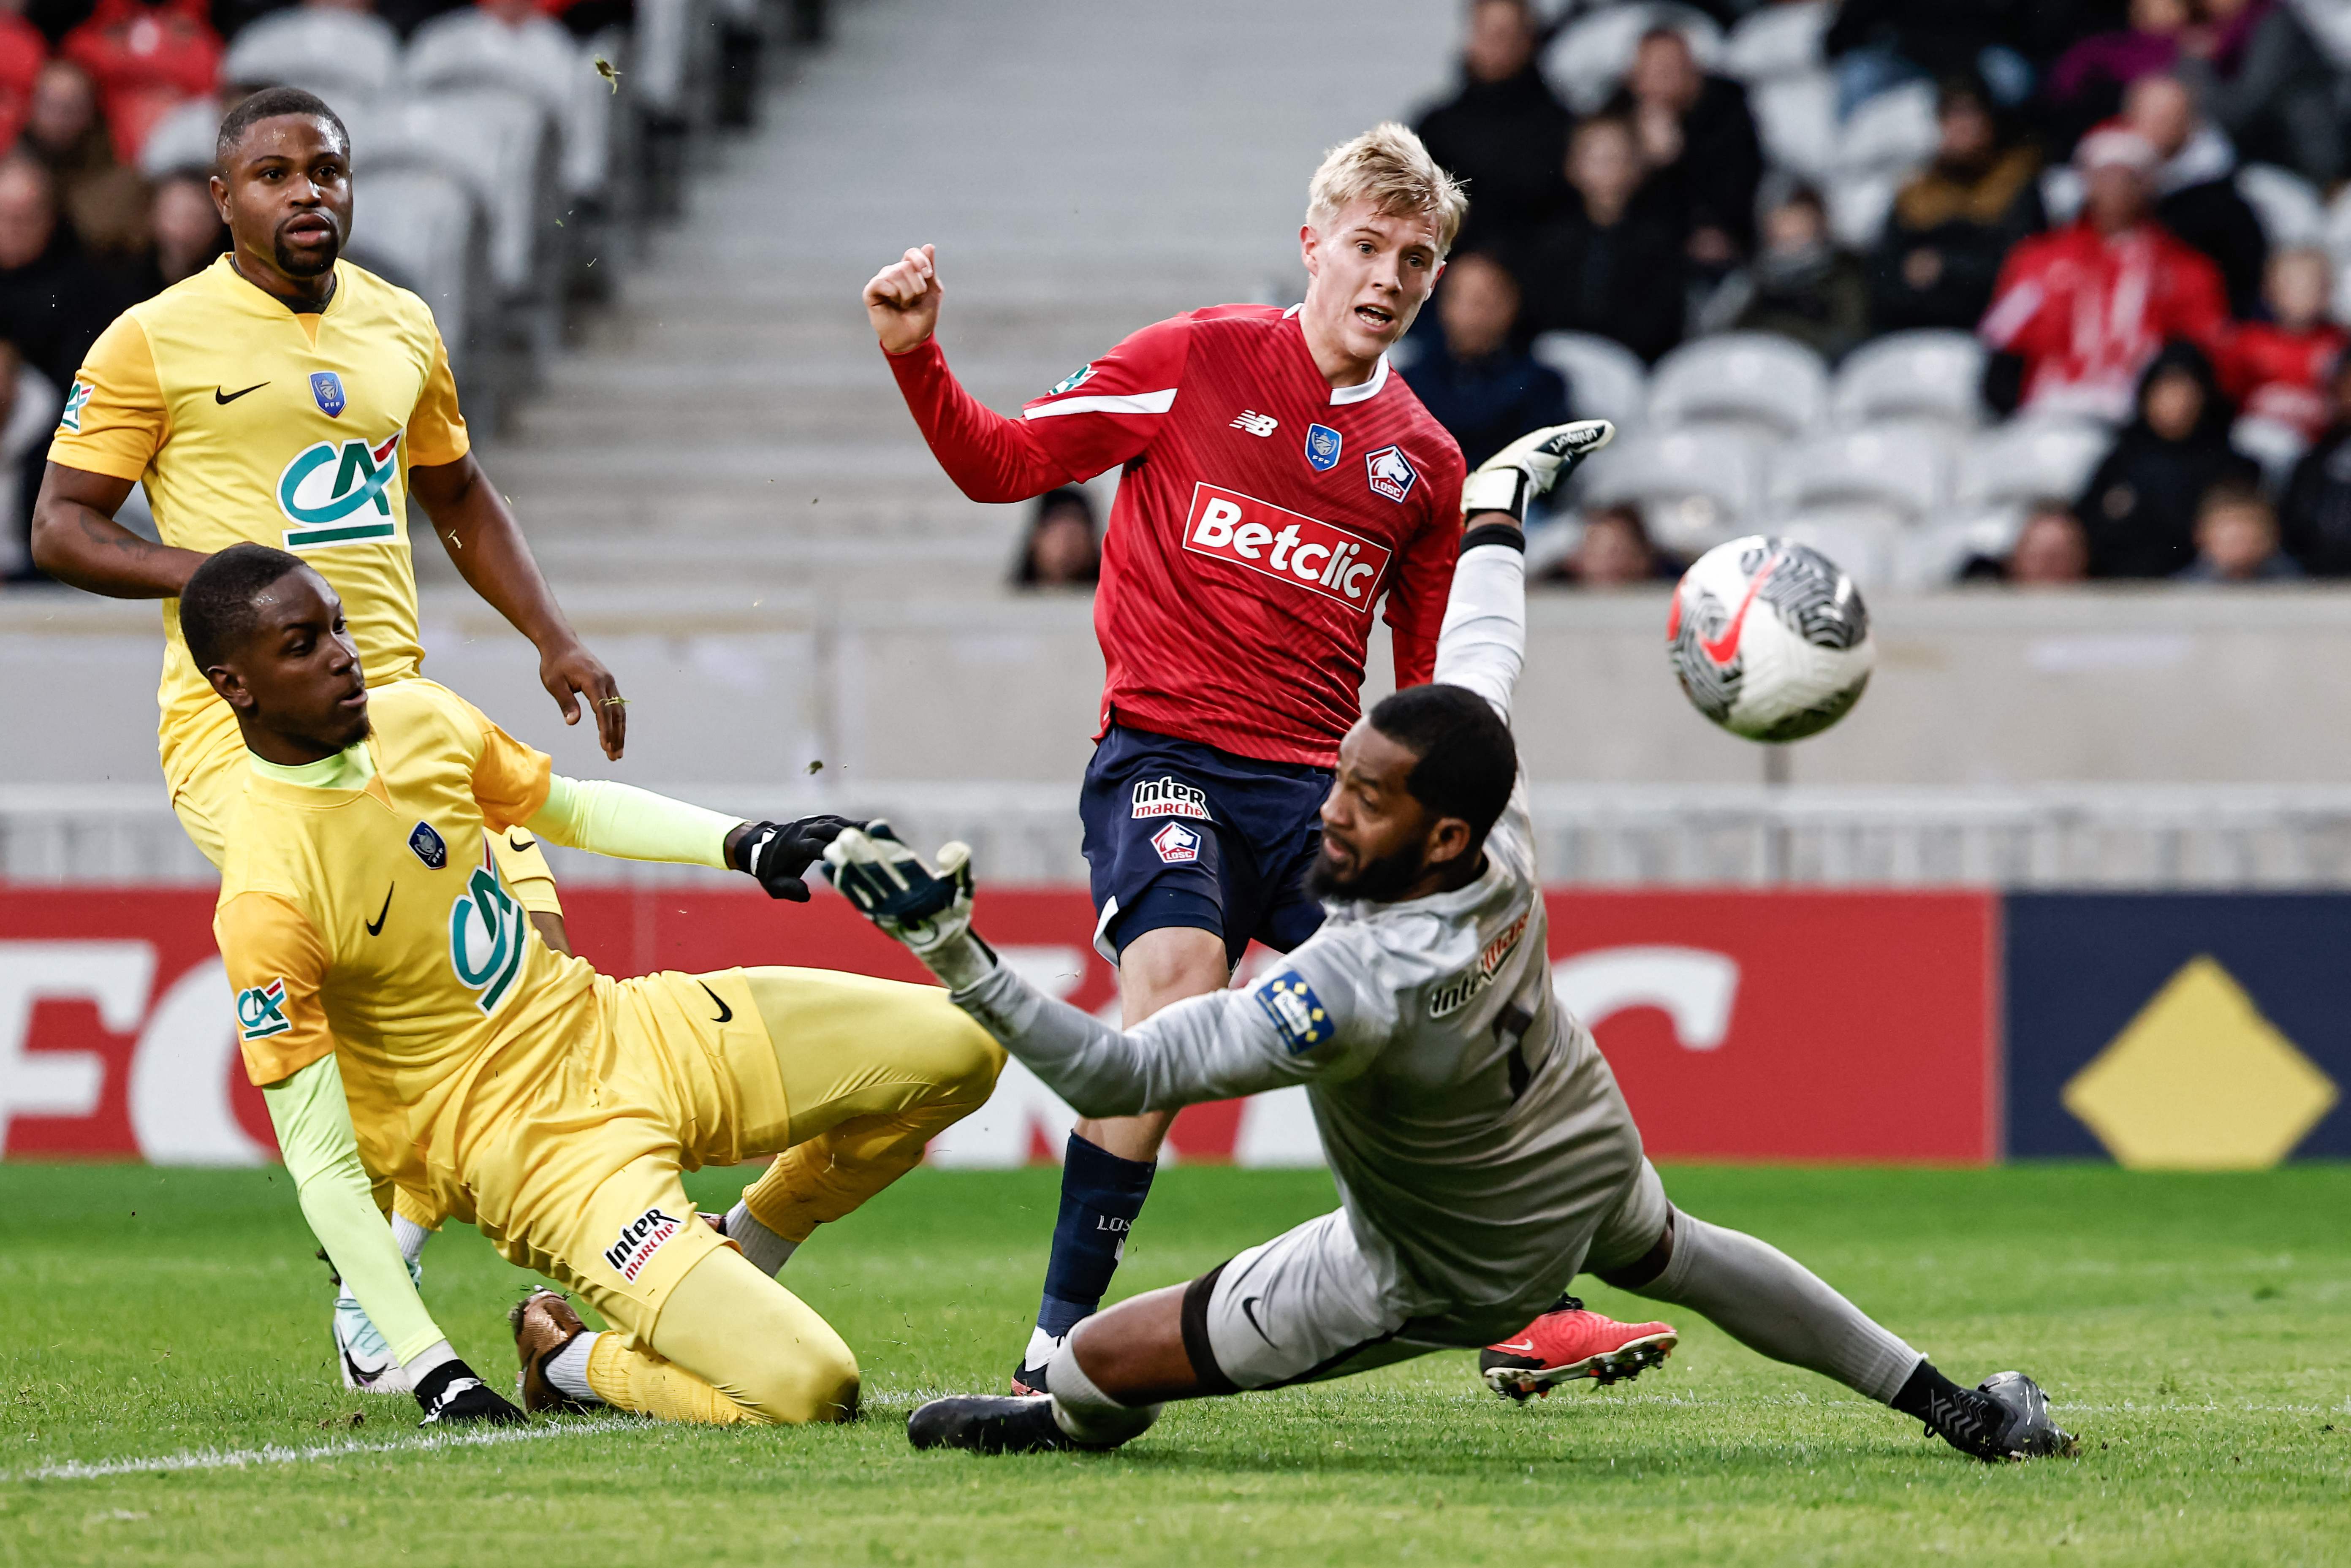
1483 1152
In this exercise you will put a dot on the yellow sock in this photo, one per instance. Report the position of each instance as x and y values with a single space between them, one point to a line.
639 1381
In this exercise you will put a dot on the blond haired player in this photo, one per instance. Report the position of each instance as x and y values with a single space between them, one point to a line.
1278 483
393 999
284 397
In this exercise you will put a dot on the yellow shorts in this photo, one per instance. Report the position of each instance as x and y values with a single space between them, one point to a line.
203 764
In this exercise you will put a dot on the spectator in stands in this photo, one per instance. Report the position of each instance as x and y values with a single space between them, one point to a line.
1502 131
1954 221
2195 185
1614 263
2081 310
22 51
2141 504
53 302
1614 551
2315 518
105 203
1064 547
146 55
1800 284
2263 78
2279 368
1478 382
2051 550
1880 44
2086 84
188 232
1698 139
2237 539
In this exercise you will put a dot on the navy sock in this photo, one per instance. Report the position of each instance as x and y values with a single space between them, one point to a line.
1101 1195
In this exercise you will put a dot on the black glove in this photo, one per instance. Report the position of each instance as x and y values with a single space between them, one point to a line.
777 853
451 1395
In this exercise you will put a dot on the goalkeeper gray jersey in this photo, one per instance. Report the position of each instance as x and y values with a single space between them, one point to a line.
1444 1074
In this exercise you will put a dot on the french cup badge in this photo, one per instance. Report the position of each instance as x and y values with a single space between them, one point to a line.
327 388
1321 448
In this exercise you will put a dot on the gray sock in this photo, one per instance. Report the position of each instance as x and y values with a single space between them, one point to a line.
768 1251
1775 1306
1084 1411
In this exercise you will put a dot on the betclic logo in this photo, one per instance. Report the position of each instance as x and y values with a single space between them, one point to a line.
1297 548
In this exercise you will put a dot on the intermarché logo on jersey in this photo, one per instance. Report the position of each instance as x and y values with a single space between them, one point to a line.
1467 986
1273 541
487 936
334 493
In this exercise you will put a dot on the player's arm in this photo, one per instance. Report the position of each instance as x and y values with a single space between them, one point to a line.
478 529
113 424
1105 415
1320 1016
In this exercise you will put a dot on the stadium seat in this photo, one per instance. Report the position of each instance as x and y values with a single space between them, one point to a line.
1863 546
183 138
1591 54
470 48
2271 443
1695 486
1929 376
1795 117
423 229
25 439
1899 471
2291 211
1931 555
1777 41
335 53
2027 459
1892 132
1605 379
1754 379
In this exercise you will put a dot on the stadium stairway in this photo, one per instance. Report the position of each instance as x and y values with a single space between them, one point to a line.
730 426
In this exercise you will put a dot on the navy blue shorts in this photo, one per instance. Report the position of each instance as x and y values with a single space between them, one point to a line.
1178 833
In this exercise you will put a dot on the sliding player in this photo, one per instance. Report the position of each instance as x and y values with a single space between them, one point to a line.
1278 481
392 996
1483 1152
284 397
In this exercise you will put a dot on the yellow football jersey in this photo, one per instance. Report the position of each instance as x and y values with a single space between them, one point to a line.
374 918
247 421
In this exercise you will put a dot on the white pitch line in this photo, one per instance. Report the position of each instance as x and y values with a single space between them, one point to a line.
278 1454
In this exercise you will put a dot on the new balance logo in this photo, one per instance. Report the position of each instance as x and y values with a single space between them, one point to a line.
1256 424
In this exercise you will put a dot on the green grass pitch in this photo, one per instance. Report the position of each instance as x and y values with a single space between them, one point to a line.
2195 1331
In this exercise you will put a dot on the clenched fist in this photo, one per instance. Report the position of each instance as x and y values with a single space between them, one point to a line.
902 300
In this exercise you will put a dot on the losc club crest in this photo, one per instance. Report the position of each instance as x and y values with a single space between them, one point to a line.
1321 448
1391 473
327 388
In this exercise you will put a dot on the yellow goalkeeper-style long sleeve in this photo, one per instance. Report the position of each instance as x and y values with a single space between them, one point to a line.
618 820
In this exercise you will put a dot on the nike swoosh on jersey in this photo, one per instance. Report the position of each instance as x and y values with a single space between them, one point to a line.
726 1013
1725 649
519 842
1249 1311
375 926
226 398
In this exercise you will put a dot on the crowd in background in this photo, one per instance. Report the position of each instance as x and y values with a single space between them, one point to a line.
2155 303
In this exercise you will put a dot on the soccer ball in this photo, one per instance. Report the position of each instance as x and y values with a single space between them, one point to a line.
1770 639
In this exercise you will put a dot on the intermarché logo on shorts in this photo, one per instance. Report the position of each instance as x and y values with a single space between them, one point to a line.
1304 551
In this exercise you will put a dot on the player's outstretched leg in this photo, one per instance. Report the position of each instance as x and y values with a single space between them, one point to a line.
368 1363
1777 1307
1101 1195
1076 1415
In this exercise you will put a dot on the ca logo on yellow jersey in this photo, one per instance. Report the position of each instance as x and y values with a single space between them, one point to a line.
486 936
261 1010
333 492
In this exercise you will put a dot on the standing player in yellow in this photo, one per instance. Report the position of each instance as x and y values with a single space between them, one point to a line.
286 397
385 977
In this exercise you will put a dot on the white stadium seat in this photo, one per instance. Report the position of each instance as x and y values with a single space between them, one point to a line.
1777 41
2290 209
1865 546
1591 54
1694 486
1893 132
423 229
1753 378
1931 555
334 53
472 48
1795 118
182 139
1858 206
1900 471
502 145
1606 379
2276 445
1931 376
2027 459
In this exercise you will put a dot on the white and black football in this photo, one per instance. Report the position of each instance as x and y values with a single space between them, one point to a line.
1770 639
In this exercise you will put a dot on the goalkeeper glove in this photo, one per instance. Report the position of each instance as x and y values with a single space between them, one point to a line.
929 911
1530 466
451 1395
778 854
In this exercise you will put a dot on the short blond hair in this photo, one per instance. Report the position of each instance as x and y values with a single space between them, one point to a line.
1388 165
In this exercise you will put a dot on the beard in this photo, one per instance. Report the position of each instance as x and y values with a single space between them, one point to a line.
1382 881
294 265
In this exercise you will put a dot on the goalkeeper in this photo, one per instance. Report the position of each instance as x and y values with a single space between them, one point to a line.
1483 1154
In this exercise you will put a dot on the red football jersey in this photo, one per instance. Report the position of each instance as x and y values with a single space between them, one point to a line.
1261 514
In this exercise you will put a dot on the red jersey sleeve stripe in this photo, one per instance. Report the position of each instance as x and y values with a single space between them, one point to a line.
1158 402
